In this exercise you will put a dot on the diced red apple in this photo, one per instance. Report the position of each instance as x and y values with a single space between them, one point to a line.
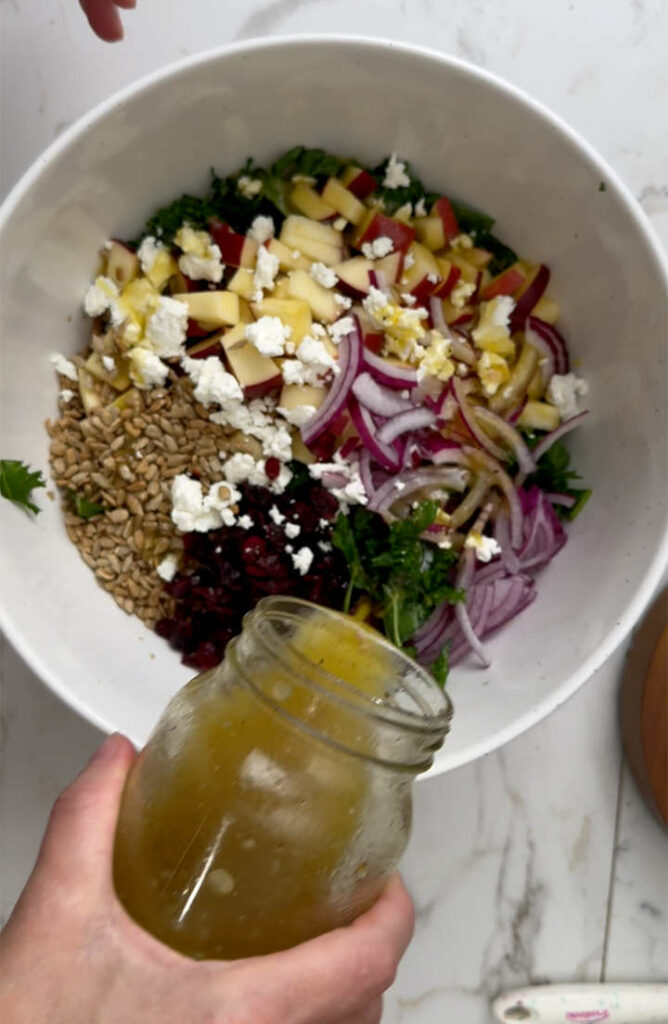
235 249
378 225
478 258
505 283
359 182
422 277
343 201
467 270
374 342
209 346
430 233
287 259
294 313
442 208
456 314
245 312
318 241
118 377
309 202
299 450
293 396
450 274
353 275
547 309
256 373
211 309
195 330
539 416
391 266
178 282
122 263
242 283
321 300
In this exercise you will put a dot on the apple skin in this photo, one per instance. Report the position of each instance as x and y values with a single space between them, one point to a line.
443 209
353 276
235 249
210 346
359 182
374 342
507 282
381 226
445 288
196 330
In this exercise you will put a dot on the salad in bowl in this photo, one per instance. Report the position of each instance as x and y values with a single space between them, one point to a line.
319 379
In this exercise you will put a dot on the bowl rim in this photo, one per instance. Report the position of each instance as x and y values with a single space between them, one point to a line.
647 587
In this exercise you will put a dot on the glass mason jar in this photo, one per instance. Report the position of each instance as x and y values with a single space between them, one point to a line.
274 797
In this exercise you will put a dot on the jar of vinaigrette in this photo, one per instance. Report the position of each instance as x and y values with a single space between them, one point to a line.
274 797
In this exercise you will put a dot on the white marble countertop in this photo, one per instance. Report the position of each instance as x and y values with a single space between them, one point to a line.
538 862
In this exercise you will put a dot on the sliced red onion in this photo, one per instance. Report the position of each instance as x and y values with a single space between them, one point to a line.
548 362
544 534
412 419
383 401
404 484
366 476
564 500
554 339
528 299
487 418
437 318
350 361
470 636
431 445
385 454
510 597
467 414
348 447
389 374
502 480
554 435
502 535
462 351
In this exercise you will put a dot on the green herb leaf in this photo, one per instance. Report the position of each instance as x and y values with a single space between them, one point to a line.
440 668
405 577
602 187
84 507
17 482
479 225
394 198
166 221
554 475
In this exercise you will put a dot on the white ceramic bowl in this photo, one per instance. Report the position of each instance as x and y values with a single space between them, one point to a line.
467 134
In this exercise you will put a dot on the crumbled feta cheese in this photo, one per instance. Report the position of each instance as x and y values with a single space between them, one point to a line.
420 208
100 296
266 270
395 173
201 259
192 511
213 384
344 301
109 363
65 367
325 546
318 330
461 293
340 224
304 179
245 522
324 524
148 252
262 229
241 468
493 371
340 328
298 416
302 560
485 547
66 395
147 370
409 261
253 418
166 329
323 274
269 335
402 326
432 278
563 392
404 212
350 493
277 444
314 354
292 530
380 247
436 360
249 187
408 299
276 516
168 568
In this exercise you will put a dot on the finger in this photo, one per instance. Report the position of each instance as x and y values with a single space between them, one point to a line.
104 19
371 1014
128 5
79 840
334 975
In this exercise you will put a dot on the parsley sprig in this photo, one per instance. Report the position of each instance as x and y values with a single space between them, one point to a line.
18 481
404 577
554 475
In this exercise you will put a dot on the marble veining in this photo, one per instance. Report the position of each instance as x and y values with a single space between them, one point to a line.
539 862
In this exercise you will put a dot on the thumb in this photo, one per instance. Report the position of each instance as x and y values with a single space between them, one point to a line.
79 840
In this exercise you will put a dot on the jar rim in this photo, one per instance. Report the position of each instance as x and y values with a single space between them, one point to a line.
340 690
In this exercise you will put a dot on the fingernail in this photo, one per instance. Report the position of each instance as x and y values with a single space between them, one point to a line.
108 749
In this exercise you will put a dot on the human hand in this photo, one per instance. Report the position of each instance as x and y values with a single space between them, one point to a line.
104 18
71 955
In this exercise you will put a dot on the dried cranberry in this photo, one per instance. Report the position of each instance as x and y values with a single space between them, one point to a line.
272 468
